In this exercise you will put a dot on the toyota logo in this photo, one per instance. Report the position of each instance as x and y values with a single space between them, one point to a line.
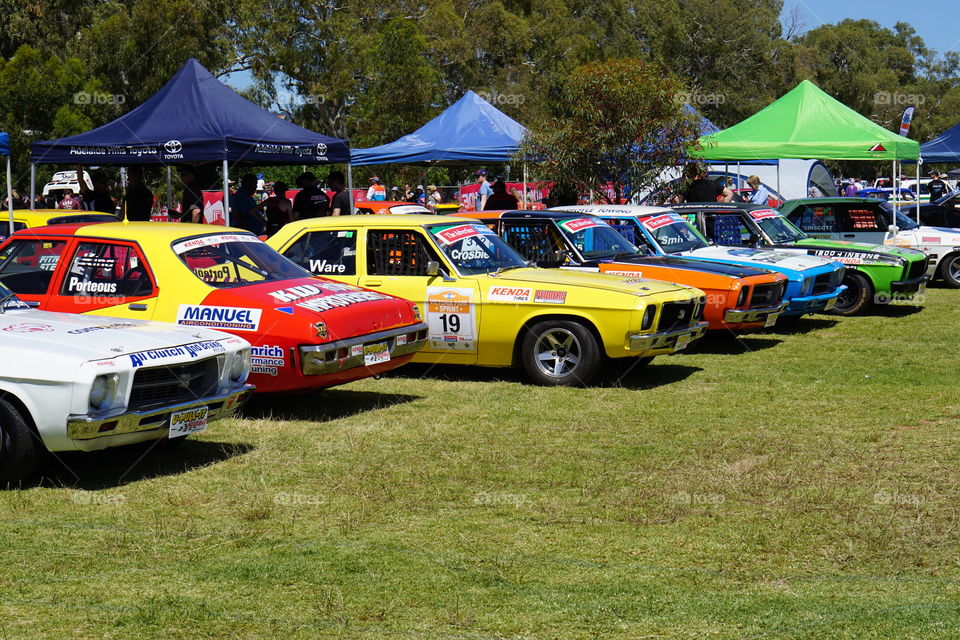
321 149
173 146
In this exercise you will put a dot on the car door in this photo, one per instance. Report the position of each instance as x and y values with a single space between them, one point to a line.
112 278
28 267
818 221
861 222
397 261
537 240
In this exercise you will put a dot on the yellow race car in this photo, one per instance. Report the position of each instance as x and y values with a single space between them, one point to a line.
28 219
486 306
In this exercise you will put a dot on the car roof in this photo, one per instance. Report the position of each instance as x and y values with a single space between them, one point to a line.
539 214
626 210
719 206
831 199
412 220
137 231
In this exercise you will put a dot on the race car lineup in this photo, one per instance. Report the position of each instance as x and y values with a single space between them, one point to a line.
150 330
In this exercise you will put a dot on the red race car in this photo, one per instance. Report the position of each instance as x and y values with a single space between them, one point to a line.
307 332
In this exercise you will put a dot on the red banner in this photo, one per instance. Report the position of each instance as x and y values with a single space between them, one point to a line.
536 192
213 207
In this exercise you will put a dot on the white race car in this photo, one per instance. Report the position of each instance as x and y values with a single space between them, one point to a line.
81 383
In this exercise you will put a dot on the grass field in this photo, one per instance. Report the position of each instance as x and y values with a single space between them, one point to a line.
800 483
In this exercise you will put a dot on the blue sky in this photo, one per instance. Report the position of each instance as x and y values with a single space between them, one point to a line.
935 22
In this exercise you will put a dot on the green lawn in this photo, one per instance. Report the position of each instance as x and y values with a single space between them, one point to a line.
801 483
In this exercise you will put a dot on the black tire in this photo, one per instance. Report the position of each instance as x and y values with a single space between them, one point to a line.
19 447
560 353
857 298
949 270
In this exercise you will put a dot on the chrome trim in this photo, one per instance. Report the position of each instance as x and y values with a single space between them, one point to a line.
317 359
751 315
665 339
86 427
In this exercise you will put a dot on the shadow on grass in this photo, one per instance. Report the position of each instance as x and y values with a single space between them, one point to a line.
331 404
804 324
630 373
729 344
894 310
122 465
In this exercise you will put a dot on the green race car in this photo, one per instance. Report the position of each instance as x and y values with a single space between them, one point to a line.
876 274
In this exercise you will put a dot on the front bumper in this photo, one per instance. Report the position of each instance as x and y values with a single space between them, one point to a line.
86 427
341 355
813 304
746 316
642 343
909 287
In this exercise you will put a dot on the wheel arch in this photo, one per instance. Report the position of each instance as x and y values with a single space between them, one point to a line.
532 320
20 405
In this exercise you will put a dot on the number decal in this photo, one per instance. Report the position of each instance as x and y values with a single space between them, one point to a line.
451 323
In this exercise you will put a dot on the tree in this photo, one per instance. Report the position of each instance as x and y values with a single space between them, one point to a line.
619 122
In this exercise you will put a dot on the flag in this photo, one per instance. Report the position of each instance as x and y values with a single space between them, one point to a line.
905 121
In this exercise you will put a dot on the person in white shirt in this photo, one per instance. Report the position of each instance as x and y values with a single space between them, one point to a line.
760 193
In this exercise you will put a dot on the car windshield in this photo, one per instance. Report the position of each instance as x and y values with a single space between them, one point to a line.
779 229
232 259
904 222
673 233
594 239
474 249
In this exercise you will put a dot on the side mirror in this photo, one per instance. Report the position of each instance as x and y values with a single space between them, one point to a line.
433 268
892 229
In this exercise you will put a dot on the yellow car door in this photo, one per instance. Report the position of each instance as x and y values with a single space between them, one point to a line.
400 262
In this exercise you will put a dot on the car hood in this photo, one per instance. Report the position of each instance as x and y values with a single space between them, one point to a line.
693 264
606 282
857 252
95 337
762 258
293 308
933 235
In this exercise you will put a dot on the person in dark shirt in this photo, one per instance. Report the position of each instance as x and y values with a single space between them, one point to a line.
311 202
138 202
340 204
245 213
937 187
98 198
500 198
277 208
191 202
701 189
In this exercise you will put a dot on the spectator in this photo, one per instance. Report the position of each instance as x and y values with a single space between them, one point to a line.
761 195
500 198
419 196
69 201
244 209
377 192
434 197
340 204
700 189
485 190
936 187
408 194
40 202
394 194
312 201
98 198
191 203
277 209
138 202
851 189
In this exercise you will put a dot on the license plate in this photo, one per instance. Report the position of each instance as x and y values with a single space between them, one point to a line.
922 289
831 303
771 319
682 341
189 421
376 353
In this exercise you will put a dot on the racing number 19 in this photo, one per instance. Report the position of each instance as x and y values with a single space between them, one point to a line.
451 323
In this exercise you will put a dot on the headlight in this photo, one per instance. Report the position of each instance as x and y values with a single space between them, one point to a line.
240 366
806 286
648 316
838 275
742 300
103 390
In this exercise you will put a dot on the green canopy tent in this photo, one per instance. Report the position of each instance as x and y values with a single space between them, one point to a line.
807 123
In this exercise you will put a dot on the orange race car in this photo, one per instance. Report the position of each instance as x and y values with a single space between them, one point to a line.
738 297
387 207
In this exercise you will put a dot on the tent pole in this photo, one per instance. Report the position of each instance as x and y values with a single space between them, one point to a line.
226 192
919 160
526 205
33 186
169 190
779 192
10 195
350 186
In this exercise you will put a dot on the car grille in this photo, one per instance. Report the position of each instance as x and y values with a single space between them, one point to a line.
766 295
675 315
823 284
916 269
172 384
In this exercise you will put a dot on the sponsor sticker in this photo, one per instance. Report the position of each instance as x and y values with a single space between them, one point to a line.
356 350
550 297
622 272
771 320
451 322
267 359
401 339
322 266
28 327
235 318
207 241
656 222
682 341
509 294
376 354
103 327
579 224
930 239
192 350
189 421
458 233
48 262
79 285
763 214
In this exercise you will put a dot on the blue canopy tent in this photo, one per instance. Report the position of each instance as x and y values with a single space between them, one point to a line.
194 118
943 148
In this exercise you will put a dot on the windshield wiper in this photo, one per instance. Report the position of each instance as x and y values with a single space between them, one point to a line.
508 268
4 300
